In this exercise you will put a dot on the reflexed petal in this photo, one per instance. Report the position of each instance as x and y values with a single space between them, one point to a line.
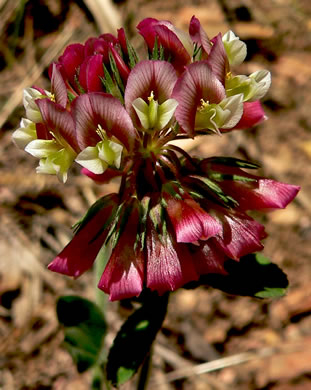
208 258
25 133
58 86
218 59
198 82
235 49
58 121
198 35
260 195
169 265
190 221
124 274
79 255
102 178
241 235
146 77
253 114
93 109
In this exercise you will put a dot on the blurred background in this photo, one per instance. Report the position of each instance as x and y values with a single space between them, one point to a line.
37 212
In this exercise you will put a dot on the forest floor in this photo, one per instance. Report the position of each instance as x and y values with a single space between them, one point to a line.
37 212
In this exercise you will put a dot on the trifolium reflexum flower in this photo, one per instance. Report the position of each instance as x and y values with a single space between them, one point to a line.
25 133
225 114
154 115
98 158
253 87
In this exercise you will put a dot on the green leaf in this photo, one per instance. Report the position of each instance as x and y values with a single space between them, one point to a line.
85 328
133 342
254 275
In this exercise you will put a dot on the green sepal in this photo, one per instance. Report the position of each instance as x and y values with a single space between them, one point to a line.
133 341
85 328
110 86
133 57
77 82
92 211
115 72
254 275
144 207
221 176
70 96
155 50
212 187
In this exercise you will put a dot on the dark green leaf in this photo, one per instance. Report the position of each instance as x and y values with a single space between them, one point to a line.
85 328
233 162
133 342
254 275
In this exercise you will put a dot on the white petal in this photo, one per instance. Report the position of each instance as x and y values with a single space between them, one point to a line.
263 79
236 49
24 134
166 112
235 105
88 159
41 148
142 110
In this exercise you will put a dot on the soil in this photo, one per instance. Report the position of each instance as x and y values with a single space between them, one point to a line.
37 212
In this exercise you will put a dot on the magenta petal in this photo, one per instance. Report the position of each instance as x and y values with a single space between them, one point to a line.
78 256
58 86
93 109
158 77
122 68
262 194
122 40
146 29
103 177
58 121
71 60
197 82
190 221
198 35
91 72
241 235
173 47
218 59
169 265
124 274
208 258
253 114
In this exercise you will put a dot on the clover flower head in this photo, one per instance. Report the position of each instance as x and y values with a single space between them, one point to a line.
174 217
